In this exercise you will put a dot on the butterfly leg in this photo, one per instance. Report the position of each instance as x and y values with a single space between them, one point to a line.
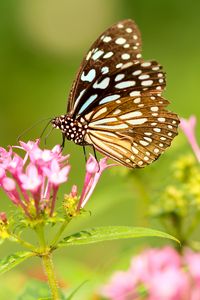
95 155
85 154
63 142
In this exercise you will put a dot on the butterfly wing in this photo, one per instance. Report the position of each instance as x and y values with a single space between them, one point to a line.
104 57
133 132
118 96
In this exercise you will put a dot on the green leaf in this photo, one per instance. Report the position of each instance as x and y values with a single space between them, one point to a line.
100 234
37 290
13 260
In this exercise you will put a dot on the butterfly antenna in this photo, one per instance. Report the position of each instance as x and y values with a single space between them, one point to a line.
48 134
45 128
33 126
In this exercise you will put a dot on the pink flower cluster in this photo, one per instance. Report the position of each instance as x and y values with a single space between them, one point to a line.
36 177
188 127
163 274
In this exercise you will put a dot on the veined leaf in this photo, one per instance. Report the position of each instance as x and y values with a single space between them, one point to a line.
100 234
13 260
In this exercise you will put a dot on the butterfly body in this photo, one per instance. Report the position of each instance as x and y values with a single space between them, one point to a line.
115 104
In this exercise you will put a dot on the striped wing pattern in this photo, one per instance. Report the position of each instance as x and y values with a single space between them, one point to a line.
118 96
134 132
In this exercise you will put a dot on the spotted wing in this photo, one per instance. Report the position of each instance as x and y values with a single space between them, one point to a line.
133 131
113 66
105 57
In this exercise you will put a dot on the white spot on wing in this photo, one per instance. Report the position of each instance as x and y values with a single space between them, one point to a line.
125 84
97 54
135 93
109 98
104 70
137 121
119 77
147 82
125 56
108 54
130 115
117 112
87 103
154 108
120 41
102 84
146 64
143 76
137 72
107 39
89 77
119 65
135 151
103 121
100 112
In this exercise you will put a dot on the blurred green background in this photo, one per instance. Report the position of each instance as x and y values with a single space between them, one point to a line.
42 43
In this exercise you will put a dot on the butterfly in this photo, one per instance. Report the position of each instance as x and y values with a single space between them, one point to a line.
115 104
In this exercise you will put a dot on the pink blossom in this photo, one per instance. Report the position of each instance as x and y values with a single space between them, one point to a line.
154 260
37 175
163 273
5 157
31 180
169 284
121 287
192 260
56 174
188 127
15 166
94 171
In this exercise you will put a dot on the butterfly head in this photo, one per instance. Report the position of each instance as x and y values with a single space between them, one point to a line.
72 129
58 122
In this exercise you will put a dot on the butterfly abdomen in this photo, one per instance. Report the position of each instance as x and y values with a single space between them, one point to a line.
71 128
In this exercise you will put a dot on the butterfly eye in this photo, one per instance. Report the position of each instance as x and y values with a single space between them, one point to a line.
115 104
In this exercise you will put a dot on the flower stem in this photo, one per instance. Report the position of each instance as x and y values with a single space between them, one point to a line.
22 242
58 234
47 262
49 270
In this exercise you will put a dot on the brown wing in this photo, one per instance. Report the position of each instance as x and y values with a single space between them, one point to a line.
134 131
105 56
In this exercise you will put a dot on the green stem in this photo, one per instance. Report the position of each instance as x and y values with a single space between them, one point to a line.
47 262
40 233
49 270
23 243
58 234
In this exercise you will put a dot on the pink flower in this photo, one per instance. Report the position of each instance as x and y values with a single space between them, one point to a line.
154 260
36 176
94 171
169 284
121 287
31 180
56 174
163 273
192 260
188 127
5 157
